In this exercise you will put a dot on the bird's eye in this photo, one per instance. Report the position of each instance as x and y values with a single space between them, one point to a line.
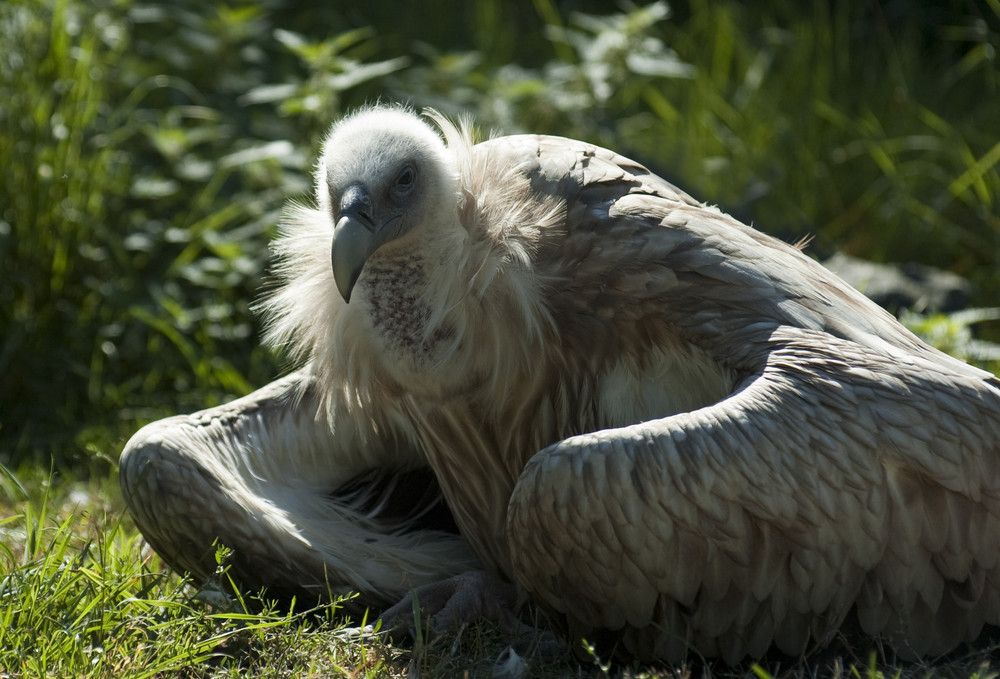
405 180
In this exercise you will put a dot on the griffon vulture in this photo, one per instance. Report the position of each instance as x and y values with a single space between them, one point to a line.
655 422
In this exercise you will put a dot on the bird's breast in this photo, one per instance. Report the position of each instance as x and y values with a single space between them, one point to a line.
393 306
666 381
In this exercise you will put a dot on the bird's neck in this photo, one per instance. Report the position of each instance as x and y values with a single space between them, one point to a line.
413 302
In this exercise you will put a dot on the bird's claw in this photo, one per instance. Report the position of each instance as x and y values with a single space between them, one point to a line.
447 605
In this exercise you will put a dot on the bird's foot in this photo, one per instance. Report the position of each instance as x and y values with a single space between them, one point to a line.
447 605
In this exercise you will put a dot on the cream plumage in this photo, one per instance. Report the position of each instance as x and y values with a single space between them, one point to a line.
654 420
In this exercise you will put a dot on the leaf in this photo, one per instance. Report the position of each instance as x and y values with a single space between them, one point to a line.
275 150
360 73
666 65
975 174
264 94
290 39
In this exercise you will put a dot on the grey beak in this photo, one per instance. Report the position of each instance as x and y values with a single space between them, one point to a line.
353 239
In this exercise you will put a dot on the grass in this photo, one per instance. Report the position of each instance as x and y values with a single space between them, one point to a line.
82 595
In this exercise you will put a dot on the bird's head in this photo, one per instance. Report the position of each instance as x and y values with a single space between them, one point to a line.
384 173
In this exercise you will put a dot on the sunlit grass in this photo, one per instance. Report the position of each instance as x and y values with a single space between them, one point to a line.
82 595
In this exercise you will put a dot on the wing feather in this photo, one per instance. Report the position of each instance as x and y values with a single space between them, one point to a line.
262 475
749 496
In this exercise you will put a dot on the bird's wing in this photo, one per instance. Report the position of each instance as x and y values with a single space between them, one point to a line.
851 464
830 478
294 499
636 247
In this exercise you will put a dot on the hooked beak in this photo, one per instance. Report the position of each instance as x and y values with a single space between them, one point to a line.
354 239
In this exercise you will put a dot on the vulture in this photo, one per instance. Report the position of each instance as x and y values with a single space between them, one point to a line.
531 361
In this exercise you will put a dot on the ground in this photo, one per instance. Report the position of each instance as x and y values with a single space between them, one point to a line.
81 594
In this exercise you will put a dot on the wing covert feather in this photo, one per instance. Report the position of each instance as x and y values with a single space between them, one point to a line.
850 467
764 514
260 474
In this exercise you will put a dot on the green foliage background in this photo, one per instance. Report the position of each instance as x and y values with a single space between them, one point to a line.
147 148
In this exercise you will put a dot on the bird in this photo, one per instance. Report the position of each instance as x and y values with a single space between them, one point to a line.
532 358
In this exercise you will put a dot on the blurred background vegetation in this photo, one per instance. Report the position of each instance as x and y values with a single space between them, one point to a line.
147 148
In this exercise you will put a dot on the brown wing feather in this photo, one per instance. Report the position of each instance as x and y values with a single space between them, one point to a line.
768 511
851 466
266 476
